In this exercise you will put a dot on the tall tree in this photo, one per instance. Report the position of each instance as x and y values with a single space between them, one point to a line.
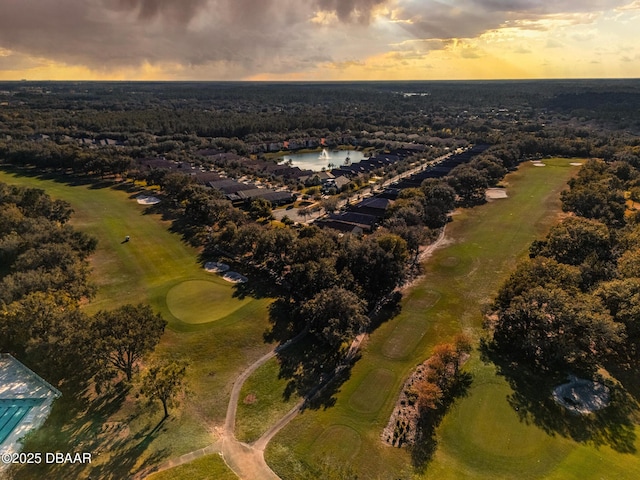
580 242
439 200
335 316
538 272
469 183
549 329
164 381
122 336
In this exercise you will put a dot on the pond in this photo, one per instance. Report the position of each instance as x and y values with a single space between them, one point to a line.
327 159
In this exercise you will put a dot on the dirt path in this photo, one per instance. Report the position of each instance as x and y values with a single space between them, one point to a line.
262 442
428 251
232 407
441 241
247 460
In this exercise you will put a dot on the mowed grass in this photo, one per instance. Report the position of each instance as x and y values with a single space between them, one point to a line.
201 301
262 402
218 334
210 467
482 437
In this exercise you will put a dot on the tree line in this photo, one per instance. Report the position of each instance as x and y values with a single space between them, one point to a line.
44 278
573 305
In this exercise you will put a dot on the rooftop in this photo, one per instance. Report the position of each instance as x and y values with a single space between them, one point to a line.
25 402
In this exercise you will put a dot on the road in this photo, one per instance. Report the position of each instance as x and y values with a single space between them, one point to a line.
355 197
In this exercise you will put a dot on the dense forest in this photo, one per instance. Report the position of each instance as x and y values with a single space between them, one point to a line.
45 277
570 308
103 129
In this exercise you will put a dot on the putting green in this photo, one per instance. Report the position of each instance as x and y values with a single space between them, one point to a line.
372 391
201 301
495 439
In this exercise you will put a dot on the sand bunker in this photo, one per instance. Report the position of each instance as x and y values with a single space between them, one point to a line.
235 277
216 267
539 164
147 200
582 396
575 164
492 193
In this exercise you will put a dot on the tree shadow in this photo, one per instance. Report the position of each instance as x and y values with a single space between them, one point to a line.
166 211
314 371
386 312
426 441
99 184
257 287
84 425
532 400
129 187
128 452
282 324
192 234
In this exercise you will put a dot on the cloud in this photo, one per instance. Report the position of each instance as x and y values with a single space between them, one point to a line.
239 38
17 62
169 10
470 18
350 10
635 5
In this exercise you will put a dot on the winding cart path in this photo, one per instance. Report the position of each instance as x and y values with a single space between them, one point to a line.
247 460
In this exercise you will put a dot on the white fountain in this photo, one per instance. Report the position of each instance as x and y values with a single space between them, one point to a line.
324 155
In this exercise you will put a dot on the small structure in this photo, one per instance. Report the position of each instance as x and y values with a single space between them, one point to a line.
25 403
375 206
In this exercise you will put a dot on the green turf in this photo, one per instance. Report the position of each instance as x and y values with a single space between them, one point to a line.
372 391
406 336
201 301
145 269
487 437
482 437
262 402
210 467
340 442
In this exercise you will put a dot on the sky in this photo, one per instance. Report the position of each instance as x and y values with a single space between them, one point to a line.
318 40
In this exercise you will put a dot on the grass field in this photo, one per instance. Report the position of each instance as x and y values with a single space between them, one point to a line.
262 402
482 436
218 334
201 301
210 467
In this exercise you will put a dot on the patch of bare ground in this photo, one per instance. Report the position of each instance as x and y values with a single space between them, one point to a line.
495 193
582 396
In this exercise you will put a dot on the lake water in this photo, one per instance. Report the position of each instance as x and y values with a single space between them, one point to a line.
317 160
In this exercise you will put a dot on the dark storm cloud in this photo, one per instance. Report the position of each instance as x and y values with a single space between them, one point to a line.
181 11
350 10
469 18
248 36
